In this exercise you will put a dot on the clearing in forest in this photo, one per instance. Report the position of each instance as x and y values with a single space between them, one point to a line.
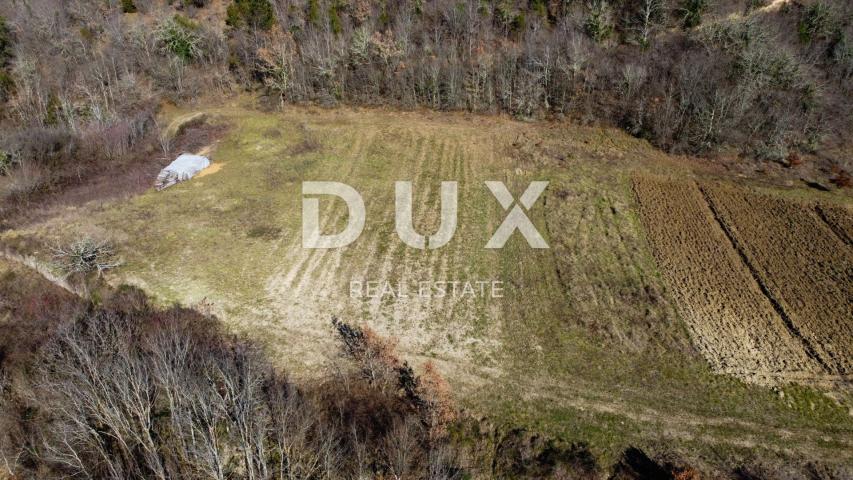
594 338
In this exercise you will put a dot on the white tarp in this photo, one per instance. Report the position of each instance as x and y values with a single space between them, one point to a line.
185 167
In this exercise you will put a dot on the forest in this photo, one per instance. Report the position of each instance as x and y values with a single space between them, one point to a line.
763 82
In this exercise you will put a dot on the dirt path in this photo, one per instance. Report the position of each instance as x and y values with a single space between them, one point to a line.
687 426
33 264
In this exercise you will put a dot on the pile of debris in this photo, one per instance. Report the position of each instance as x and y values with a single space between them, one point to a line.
185 167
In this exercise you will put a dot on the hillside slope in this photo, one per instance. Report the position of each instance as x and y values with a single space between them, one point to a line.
587 340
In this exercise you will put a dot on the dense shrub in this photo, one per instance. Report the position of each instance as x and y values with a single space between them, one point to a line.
49 147
35 161
817 22
5 43
84 256
254 14
7 84
598 24
127 6
5 163
180 36
39 162
691 12
125 390
32 310
841 55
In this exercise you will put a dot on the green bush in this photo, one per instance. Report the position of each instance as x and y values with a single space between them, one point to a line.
519 23
506 13
5 163
599 24
179 36
314 12
384 16
817 22
335 19
733 36
5 42
87 34
186 23
255 14
127 6
691 11
53 111
7 86
539 8
841 55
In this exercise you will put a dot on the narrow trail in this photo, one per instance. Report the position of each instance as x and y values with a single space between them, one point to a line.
689 426
677 425
33 264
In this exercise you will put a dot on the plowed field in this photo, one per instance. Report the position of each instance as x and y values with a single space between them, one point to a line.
839 219
803 266
731 321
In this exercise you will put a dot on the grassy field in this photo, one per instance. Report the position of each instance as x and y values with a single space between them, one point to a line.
586 342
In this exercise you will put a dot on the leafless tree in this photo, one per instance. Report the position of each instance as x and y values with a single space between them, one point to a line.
647 20
85 255
401 448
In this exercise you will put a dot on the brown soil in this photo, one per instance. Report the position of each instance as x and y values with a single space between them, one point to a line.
732 322
805 269
213 168
839 219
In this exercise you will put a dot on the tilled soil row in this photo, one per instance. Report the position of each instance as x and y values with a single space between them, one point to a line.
804 267
732 321
839 220
756 275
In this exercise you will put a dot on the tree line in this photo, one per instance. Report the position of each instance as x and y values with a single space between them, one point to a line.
113 387
689 75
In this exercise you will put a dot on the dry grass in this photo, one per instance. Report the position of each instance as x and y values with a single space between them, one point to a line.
584 343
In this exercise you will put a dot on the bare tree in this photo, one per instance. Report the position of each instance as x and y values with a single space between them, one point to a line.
647 19
401 448
85 255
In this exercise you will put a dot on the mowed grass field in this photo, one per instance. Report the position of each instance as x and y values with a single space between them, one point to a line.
590 340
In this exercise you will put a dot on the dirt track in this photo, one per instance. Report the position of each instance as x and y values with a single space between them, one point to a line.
732 321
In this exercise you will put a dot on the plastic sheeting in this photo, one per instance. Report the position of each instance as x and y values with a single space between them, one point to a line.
185 167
